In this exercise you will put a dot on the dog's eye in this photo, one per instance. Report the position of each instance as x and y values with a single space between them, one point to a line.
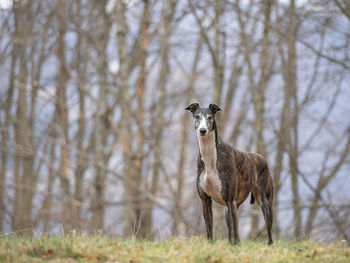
210 118
197 117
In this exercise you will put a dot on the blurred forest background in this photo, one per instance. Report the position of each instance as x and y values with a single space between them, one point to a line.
93 131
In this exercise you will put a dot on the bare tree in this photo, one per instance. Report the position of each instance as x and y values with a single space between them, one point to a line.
24 137
92 89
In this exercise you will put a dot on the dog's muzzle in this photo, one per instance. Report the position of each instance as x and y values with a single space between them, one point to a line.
202 131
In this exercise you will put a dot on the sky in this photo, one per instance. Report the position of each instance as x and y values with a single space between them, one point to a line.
5 4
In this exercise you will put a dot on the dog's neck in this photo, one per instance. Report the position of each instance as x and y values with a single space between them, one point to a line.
207 148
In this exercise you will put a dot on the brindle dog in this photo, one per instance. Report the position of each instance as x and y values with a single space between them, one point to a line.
228 175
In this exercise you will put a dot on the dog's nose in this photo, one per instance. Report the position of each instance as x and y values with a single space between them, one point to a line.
202 131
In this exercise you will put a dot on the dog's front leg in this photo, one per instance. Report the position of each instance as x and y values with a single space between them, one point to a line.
232 222
208 215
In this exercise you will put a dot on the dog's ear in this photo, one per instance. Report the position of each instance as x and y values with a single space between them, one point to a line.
214 108
193 107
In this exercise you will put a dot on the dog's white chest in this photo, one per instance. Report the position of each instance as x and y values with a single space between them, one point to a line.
209 178
211 185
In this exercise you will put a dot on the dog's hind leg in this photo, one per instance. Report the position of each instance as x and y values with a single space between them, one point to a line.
267 211
264 195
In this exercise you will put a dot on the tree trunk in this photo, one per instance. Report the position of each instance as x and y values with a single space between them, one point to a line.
142 206
168 10
258 93
291 84
62 111
81 65
24 144
5 135
101 124
217 62
283 134
125 136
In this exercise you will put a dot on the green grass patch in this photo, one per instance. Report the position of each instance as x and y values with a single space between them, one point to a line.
80 248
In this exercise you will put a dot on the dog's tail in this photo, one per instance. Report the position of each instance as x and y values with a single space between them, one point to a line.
252 198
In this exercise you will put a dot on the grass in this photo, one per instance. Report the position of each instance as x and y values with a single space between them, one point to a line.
79 248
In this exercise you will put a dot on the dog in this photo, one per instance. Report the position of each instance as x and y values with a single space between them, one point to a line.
227 175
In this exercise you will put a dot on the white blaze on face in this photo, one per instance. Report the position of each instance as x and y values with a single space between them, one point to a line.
202 124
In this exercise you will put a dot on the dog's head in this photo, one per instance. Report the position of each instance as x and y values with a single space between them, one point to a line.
204 118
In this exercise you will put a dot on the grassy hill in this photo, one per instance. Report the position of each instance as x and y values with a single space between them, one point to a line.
78 248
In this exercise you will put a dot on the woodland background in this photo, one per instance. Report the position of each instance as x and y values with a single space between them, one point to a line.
93 131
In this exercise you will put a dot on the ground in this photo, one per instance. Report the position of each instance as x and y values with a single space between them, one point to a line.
80 248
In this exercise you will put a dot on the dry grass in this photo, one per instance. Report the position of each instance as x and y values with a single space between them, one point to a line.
80 248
